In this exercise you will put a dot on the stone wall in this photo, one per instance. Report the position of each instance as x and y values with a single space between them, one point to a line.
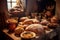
58 9
3 13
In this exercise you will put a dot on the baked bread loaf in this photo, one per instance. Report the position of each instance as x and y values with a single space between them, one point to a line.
37 28
19 29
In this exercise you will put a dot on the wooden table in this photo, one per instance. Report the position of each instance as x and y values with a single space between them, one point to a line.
18 38
11 35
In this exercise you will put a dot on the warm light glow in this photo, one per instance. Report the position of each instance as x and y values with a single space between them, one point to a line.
11 3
